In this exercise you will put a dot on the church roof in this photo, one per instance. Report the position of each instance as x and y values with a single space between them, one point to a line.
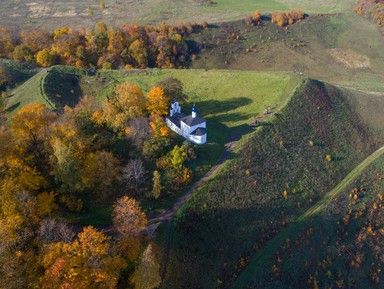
192 121
176 119
199 131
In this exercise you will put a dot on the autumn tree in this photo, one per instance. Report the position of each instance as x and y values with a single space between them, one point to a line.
280 18
31 129
157 101
69 149
129 102
139 53
84 263
45 58
100 170
147 273
254 18
173 89
23 53
36 39
156 185
128 218
158 127
6 42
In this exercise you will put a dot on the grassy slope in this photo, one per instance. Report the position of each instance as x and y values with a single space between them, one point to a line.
259 264
243 207
227 99
54 87
76 13
302 47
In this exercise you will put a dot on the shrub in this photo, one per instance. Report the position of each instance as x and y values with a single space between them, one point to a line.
287 18
253 19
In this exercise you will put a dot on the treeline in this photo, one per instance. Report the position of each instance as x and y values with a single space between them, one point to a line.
279 18
52 166
373 9
103 46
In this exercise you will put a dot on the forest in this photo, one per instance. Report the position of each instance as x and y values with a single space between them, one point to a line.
131 46
54 165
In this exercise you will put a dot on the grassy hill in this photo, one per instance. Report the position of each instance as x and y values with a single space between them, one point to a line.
343 49
54 87
50 14
334 244
281 171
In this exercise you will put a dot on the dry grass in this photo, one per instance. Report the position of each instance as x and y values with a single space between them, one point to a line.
350 58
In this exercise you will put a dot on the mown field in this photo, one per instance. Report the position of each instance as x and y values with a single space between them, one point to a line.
343 49
48 14
282 170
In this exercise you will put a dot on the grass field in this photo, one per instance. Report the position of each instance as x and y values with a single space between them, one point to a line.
326 47
230 219
50 13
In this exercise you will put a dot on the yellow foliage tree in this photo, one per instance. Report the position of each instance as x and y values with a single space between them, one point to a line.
100 169
129 102
159 127
45 58
139 53
157 101
45 203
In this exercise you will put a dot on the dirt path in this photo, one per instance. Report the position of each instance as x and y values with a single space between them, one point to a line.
166 216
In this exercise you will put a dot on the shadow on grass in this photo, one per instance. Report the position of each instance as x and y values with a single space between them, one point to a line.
212 107
12 107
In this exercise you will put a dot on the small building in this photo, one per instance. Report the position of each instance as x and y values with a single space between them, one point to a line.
192 127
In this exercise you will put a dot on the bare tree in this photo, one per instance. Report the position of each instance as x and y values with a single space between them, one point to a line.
141 130
54 230
134 173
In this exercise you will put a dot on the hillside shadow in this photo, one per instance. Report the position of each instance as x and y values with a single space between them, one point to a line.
12 107
223 236
211 107
63 89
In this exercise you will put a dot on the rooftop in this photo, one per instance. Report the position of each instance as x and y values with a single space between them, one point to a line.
199 131
176 119
192 121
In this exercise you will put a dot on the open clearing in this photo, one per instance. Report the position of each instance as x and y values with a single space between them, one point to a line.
53 13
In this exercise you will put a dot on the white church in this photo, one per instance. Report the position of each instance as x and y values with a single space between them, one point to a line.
191 127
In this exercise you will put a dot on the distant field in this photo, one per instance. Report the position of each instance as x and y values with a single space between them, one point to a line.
51 13
341 49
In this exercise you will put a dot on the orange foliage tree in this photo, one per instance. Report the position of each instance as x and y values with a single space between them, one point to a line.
84 263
